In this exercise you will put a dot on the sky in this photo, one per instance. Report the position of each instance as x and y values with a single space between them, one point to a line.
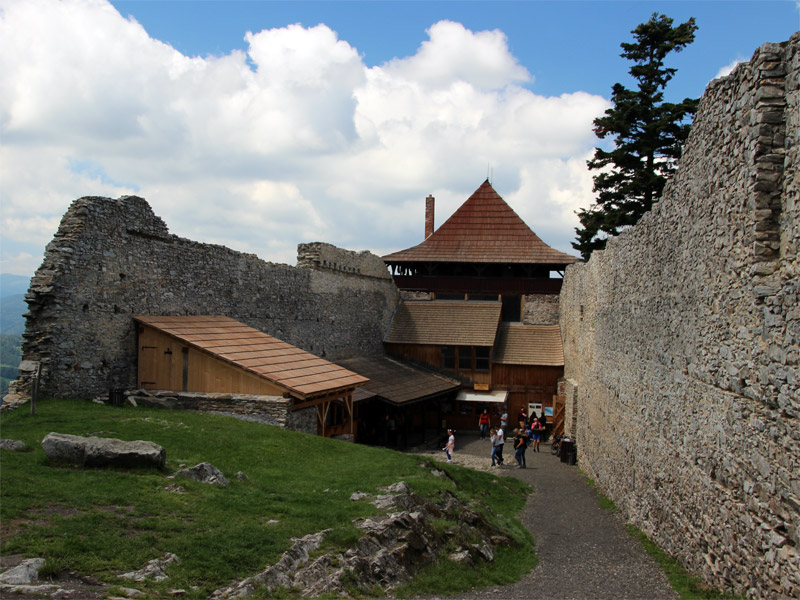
260 125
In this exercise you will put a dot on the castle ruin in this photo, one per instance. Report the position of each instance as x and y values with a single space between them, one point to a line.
681 339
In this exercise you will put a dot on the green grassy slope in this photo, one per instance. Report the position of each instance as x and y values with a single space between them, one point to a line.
104 522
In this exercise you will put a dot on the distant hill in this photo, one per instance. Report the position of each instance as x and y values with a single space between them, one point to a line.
11 285
11 310
10 355
12 306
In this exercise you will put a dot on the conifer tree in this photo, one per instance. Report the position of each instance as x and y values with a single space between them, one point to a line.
648 134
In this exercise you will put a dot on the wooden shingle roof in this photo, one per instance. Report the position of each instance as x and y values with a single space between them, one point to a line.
445 323
300 372
397 382
519 344
483 230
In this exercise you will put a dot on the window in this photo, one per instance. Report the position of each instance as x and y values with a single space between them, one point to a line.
465 358
482 355
448 357
512 309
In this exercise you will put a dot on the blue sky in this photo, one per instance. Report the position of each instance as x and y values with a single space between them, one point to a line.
573 44
260 125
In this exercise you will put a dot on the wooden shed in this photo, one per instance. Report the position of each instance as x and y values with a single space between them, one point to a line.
498 363
217 354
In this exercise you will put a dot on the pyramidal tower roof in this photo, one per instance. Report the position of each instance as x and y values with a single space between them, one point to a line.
483 230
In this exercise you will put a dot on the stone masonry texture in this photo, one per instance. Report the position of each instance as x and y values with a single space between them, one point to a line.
111 259
682 343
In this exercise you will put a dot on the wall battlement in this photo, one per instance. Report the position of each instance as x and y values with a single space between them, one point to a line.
112 259
682 342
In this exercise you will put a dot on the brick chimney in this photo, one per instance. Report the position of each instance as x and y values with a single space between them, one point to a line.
429 201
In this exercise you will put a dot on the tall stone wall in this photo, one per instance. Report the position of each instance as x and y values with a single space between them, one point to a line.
112 259
682 342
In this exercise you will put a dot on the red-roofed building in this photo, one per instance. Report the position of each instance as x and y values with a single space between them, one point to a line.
484 248
481 301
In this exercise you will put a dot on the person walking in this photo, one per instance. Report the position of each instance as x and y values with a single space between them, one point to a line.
493 438
520 445
483 423
501 440
451 444
536 434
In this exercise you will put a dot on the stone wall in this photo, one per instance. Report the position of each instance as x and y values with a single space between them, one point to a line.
267 410
112 259
540 309
682 343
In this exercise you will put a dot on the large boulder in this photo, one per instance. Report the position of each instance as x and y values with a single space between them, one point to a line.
103 452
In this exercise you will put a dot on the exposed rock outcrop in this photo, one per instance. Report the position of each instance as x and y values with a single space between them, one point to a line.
103 452
155 569
393 547
204 473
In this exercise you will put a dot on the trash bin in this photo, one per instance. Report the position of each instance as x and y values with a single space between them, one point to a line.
572 456
567 448
116 396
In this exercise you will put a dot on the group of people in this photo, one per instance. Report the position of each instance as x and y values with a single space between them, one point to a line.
529 433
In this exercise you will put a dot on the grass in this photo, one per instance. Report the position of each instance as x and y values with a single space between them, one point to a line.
686 585
106 522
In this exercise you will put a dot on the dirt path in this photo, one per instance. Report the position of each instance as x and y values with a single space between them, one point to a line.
584 551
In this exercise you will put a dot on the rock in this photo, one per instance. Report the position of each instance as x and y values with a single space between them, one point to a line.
103 452
277 575
175 488
204 473
241 476
29 590
155 569
13 445
24 573
393 547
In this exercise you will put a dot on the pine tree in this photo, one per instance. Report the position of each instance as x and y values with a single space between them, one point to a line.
648 134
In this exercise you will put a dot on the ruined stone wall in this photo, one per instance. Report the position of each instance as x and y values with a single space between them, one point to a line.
112 259
682 343
540 309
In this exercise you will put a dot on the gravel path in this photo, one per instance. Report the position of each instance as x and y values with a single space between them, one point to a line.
584 551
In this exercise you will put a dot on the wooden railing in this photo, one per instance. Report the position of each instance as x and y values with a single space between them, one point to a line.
559 402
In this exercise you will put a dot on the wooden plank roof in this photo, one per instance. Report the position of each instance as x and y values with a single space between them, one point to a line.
519 344
483 230
397 382
300 372
445 323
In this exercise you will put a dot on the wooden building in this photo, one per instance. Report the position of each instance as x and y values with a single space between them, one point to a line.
217 354
483 251
401 403
476 273
498 364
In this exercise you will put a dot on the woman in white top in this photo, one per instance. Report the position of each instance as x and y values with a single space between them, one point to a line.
451 443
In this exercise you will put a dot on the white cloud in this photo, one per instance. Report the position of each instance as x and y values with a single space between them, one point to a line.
728 69
294 140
